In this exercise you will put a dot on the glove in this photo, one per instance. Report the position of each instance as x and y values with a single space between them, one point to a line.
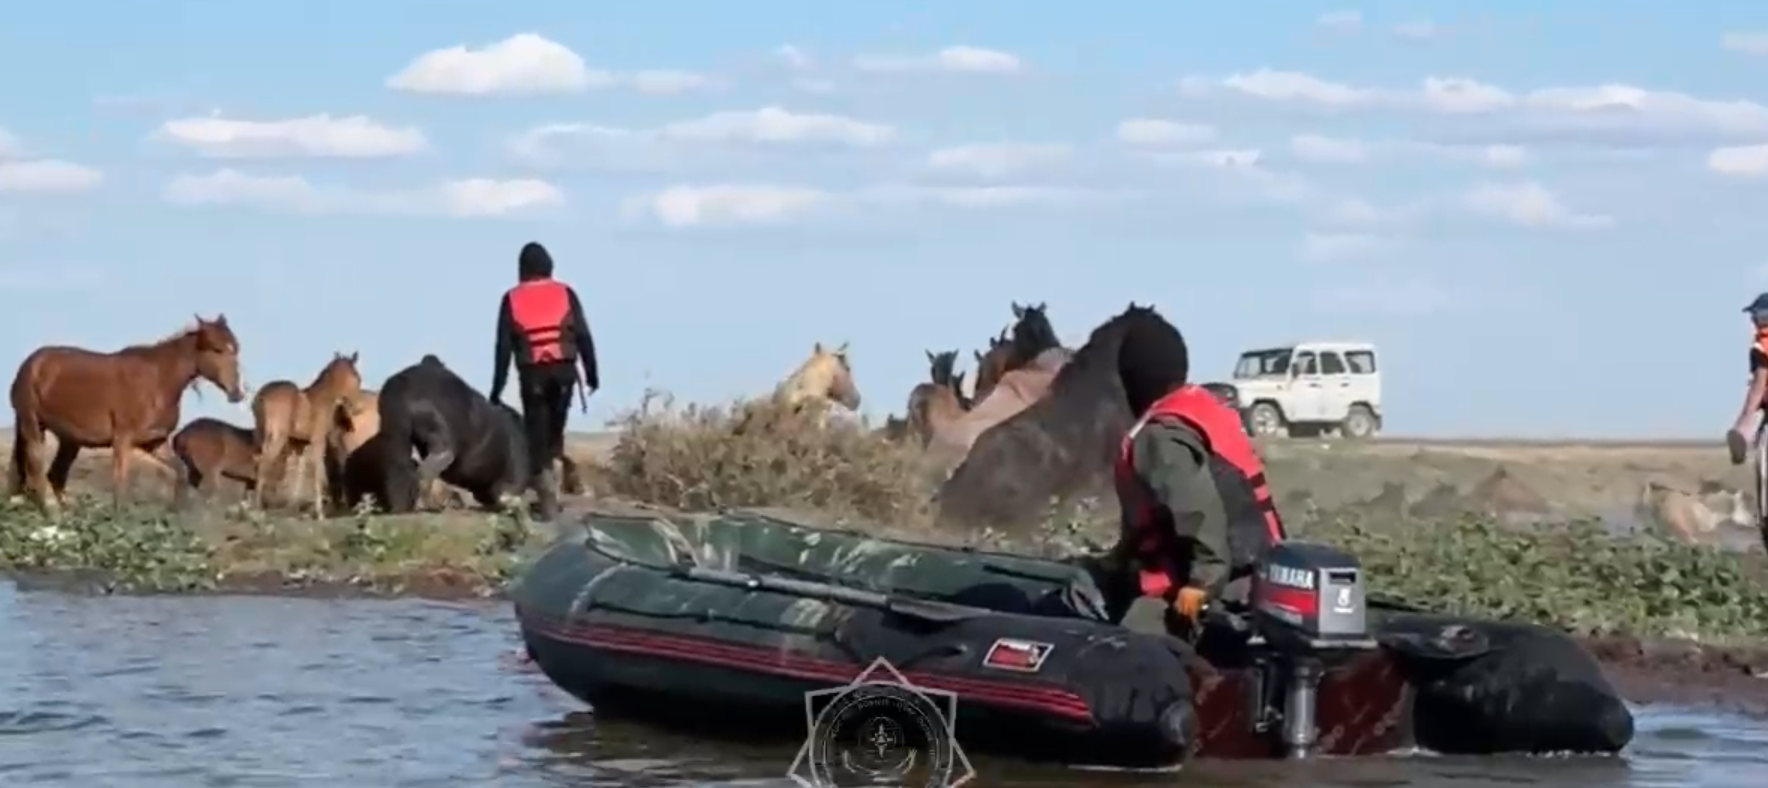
1190 603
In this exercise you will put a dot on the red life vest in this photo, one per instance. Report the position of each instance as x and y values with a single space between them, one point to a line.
1239 475
540 308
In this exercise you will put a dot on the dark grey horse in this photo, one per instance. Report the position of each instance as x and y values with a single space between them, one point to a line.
462 438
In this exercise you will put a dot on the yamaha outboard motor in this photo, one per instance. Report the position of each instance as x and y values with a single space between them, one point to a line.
1308 611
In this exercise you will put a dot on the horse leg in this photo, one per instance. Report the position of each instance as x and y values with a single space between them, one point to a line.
272 442
62 466
151 453
121 452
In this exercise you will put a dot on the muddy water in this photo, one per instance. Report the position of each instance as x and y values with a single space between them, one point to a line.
179 693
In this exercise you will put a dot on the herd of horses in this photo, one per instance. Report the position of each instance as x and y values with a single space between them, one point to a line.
1042 420
127 401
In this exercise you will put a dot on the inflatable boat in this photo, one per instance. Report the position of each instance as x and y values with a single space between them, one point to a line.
736 624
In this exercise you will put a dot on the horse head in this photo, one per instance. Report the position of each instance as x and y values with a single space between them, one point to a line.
217 356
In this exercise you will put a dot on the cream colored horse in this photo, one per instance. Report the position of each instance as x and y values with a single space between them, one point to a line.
826 377
1016 391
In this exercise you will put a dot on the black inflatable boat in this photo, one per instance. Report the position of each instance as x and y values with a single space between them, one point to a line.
736 624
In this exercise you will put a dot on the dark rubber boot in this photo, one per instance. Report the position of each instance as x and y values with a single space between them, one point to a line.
546 489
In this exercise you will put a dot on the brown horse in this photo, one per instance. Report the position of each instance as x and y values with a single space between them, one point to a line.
1018 390
1032 344
288 418
126 401
940 400
1062 446
212 449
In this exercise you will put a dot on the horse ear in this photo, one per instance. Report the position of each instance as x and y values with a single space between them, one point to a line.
1018 311
1042 305
221 318
841 351
818 349
931 358
355 354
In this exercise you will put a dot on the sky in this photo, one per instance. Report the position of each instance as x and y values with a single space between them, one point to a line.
1546 216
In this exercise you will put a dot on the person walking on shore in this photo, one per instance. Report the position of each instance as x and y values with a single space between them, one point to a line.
1745 435
541 326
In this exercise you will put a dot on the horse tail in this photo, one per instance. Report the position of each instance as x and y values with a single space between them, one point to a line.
27 431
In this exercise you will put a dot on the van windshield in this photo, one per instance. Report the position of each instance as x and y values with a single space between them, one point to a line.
1263 363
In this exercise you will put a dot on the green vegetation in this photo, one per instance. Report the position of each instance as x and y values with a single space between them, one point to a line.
755 454
148 549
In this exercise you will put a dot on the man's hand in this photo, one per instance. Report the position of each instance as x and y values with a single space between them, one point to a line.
1190 603
1737 445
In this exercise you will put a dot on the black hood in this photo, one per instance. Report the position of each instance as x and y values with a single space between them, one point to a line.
1151 362
535 262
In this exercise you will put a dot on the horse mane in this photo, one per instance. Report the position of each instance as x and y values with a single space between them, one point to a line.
175 337
1095 363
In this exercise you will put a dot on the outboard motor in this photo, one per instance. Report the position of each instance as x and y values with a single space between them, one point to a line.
1307 614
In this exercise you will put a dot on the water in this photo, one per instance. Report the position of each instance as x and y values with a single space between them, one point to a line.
180 693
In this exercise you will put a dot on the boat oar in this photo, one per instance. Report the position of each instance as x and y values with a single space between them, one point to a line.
923 609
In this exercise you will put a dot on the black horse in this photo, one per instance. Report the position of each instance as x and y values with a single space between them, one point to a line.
463 438
1063 446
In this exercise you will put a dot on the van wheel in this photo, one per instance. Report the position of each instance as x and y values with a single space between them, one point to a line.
1267 421
1360 422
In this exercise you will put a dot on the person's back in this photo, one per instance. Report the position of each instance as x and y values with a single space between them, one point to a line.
541 327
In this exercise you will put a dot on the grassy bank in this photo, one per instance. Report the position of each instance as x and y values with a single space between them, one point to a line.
753 455
149 549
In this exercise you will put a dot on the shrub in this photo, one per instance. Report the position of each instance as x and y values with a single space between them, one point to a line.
761 453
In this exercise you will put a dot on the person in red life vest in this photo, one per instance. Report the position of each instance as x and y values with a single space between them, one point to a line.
1745 434
541 326
1197 513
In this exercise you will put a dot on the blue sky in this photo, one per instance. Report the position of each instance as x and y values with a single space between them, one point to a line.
1547 219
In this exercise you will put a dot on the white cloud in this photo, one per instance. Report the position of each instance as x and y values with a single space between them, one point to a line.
1356 212
526 64
315 136
794 57
1418 32
1327 150
1412 298
1220 158
1335 247
1600 113
1741 161
1748 43
21 172
666 82
727 205
961 59
1529 204
560 144
462 199
1332 150
1346 21
1153 131
47 175
997 160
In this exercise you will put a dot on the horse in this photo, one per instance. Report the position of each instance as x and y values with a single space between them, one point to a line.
212 449
1015 392
1063 444
940 400
463 438
1691 517
126 400
825 377
288 417
352 472
1033 343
